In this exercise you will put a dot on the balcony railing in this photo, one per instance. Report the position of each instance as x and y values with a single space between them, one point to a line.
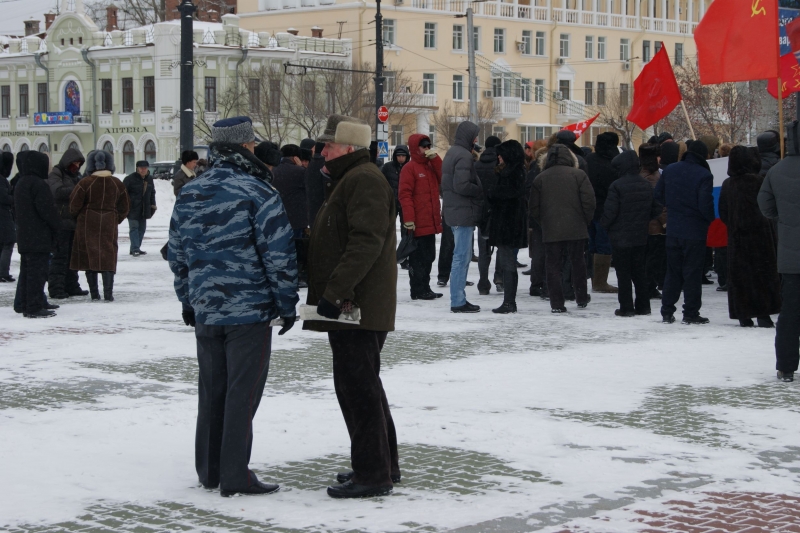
507 107
569 109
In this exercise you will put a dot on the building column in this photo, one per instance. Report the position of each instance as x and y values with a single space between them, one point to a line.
702 10
677 11
690 12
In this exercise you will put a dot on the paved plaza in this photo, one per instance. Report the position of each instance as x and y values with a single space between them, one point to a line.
578 423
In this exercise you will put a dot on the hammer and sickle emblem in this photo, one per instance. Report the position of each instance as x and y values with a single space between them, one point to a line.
756 9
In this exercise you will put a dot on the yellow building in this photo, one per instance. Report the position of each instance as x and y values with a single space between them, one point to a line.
541 64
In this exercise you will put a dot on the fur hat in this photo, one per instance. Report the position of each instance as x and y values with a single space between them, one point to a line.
99 160
236 130
342 129
267 152
306 149
492 141
290 150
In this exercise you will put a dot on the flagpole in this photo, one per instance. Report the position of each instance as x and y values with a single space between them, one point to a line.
686 114
780 108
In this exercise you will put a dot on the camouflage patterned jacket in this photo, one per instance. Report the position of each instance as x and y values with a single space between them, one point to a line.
230 243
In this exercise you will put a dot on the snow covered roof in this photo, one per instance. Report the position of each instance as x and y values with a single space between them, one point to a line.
16 12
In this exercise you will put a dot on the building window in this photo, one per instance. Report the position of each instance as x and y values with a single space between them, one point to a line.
428 84
6 147
330 97
149 93
105 96
589 47
396 134
564 45
601 48
390 78
275 97
564 89
211 94
645 51
476 38
499 41
430 35
624 49
542 132
658 46
5 101
389 26
432 134
497 87
23 100
623 94
41 97
601 93
527 42
108 147
150 151
309 96
458 87
127 95
128 158
525 90
74 146
589 90
24 147
538 91
678 54
254 94
540 43
43 148
458 37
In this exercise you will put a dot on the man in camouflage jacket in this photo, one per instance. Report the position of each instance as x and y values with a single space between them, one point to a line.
233 256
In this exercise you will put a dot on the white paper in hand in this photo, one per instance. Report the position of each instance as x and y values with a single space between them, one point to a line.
309 312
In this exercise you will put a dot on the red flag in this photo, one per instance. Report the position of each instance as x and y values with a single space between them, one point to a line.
655 92
793 33
580 127
737 40
790 77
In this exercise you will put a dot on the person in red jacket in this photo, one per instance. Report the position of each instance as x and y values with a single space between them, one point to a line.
420 180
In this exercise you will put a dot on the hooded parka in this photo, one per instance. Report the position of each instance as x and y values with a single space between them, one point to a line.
391 170
420 180
37 218
462 193
61 183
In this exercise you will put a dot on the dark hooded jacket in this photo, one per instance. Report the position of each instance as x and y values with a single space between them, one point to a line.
420 180
61 183
8 232
630 205
769 149
462 192
562 200
391 171
601 174
669 153
568 138
753 281
290 181
485 167
37 218
507 221
142 195
779 198
685 189
318 185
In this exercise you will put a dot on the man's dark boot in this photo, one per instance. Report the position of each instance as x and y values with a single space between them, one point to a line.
351 490
344 477
108 286
91 279
55 287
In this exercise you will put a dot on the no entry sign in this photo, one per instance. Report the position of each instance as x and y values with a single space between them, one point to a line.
383 113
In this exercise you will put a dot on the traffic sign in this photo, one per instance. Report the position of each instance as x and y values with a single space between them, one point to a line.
383 149
383 113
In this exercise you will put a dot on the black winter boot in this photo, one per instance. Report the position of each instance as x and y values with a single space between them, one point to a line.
91 279
108 286
55 287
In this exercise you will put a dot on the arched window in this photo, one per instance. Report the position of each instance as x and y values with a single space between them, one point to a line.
6 147
24 147
128 157
43 148
150 151
108 147
74 145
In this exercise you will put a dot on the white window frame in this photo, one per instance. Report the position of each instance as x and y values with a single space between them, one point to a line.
396 134
527 42
601 48
624 49
526 90
678 58
476 38
563 45
389 32
428 83
458 37
540 48
589 47
458 87
499 40
429 37
538 91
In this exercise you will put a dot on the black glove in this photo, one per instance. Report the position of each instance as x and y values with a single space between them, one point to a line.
188 317
288 323
327 309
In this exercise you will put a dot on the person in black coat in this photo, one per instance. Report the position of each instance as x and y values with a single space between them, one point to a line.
289 178
753 281
629 208
142 195
8 232
601 175
507 219
769 148
317 183
37 226
485 166
391 171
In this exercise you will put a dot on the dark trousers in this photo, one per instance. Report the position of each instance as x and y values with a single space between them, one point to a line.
686 263
554 254
484 262
721 265
656 260
630 266
787 332
30 285
61 279
446 247
233 361
356 378
419 265
507 262
536 245
6 249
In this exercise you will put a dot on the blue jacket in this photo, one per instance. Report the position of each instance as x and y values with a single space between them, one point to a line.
685 189
231 247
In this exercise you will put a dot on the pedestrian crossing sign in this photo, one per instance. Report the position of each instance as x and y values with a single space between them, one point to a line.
383 149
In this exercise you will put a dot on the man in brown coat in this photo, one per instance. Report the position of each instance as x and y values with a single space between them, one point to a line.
562 202
352 263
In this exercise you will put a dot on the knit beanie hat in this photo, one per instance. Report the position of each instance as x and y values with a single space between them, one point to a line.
306 149
697 147
492 141
236 130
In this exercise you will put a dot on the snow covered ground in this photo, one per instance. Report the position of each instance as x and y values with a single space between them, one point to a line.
526 422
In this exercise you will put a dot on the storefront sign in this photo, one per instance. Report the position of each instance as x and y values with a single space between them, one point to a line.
42 119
